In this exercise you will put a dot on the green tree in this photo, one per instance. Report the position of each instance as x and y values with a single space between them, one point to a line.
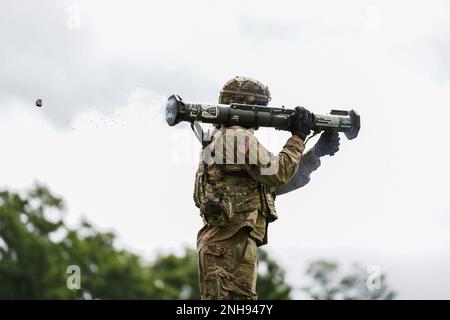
271 284
37 247
176 277
33 265
327 283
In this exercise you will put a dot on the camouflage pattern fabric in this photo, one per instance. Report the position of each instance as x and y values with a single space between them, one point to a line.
243 191
236 202
228 268
244 90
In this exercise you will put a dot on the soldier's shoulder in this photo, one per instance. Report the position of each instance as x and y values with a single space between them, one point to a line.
238 131
236 127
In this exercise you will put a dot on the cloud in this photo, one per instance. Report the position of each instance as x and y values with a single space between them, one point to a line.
42 58
263 31
441 52
119 163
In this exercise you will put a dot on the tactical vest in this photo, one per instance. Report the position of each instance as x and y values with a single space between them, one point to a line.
225 192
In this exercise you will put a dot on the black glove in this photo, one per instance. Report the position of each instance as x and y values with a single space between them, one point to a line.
302 122
328 143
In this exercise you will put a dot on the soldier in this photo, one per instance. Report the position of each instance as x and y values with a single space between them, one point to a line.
236 198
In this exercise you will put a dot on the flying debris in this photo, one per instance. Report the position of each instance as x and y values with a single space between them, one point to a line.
39 103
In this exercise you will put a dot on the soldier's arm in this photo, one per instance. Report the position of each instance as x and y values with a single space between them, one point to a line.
273 170
308 163
328 144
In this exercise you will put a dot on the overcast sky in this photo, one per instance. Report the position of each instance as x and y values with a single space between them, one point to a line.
104 69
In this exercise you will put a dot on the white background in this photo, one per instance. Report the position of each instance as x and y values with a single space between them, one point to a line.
104 69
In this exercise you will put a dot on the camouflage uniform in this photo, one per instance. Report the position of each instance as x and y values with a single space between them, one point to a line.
236 202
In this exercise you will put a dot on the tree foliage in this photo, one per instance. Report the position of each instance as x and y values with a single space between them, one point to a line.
271 284
37 247
327 283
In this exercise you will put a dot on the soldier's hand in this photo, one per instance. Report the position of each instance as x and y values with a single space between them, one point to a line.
302 122
328 143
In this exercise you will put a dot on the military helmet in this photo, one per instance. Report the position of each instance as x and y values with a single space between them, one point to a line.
244 90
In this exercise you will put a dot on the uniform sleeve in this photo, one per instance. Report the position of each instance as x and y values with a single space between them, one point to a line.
308 164
268 169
